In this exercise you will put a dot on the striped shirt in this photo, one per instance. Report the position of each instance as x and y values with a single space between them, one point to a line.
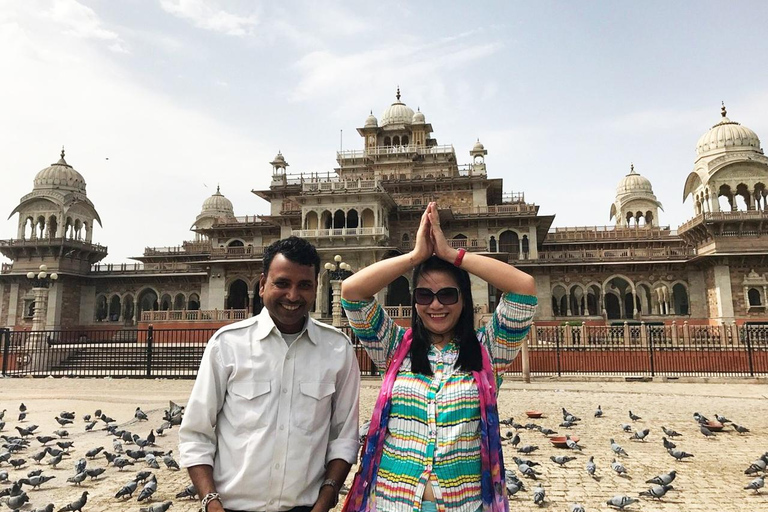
433 432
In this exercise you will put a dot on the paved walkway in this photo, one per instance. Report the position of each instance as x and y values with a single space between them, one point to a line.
712 480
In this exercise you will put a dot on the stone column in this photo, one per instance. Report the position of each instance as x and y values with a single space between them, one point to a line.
723 293
336 303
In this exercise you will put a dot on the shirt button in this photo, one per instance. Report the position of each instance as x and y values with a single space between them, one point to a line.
277 466
271 502
285 391
288 356
282 427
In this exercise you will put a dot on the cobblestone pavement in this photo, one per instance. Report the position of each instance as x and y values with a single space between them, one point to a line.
712 480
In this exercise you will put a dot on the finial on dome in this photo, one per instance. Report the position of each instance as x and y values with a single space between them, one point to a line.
398 93
371 112
62 152
723 112
218 188
632 168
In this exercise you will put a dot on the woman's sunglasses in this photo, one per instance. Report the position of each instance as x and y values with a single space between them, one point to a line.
446 296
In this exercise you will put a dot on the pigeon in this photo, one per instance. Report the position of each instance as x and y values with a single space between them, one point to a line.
117 446
89 426
567 424
538 496
2 414
2 425
668 445
599 412
626 427
17 463
39 456
159 507
136 454
77 479
170 463
44 440
519 461
664 479
640 435
142 476
617 449
61 433
570 443
76 505
737 428
80 465
65 445
55 451
561 459
140 415
619 468
722 419
577 507
528 471
621 502
22 407
127 490
528 449
151 438
95 472
35 472
3 476
189 491
670 432
705 431
756 484
149 489
63 421
151 461
48 508
679 454
548 431
67 415
162 428
106 419
591 466
515 440
634 417
97 413
657 491
121 462
701 419
24 432
94 452
36 481
18 501
758 465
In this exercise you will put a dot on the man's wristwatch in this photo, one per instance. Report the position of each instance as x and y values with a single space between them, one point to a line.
336 488
211 496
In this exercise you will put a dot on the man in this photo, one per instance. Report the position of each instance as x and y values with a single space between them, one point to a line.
272 421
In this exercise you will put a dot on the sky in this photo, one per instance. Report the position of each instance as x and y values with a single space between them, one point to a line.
159 101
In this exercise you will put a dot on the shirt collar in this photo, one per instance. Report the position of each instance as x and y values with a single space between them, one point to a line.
265 324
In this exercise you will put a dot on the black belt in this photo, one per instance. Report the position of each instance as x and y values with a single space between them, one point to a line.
294 509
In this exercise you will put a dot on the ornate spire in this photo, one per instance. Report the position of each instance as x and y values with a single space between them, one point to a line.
61 160
218 188
62 152
632 168
398 93
723 112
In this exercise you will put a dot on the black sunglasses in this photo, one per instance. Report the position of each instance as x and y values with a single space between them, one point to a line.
446 296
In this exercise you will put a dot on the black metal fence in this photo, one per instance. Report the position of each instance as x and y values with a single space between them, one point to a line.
637 350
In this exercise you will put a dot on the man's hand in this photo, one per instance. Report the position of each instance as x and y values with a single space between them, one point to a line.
325 500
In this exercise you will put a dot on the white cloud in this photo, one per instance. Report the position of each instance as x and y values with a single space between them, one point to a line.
81 21
208 16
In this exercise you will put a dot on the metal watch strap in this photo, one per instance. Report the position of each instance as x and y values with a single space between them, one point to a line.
336 488
211 496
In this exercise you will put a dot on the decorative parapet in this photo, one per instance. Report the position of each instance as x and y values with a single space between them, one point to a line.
340 232
608 233
628 254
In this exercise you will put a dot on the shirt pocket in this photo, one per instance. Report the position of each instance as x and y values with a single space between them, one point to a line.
314 405
250 403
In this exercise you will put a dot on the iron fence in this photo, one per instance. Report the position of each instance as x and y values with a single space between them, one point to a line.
627 349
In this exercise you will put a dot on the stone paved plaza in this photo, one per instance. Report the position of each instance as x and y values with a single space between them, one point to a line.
712 480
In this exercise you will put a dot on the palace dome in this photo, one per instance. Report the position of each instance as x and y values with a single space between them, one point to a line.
397 113
727 134
218 205
60 175
633 183
418 118
371 122
478 146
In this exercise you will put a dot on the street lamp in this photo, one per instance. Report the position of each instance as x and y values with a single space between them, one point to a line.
41 281
338 271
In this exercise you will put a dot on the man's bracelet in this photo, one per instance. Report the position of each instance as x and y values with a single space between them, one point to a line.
211 496
336 488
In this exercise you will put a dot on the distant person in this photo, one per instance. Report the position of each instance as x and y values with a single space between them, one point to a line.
434 441
272 421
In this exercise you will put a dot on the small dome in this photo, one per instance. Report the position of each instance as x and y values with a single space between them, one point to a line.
397 113
278 158
478 146
217 205
633 183
418 117
727 134
60 175
371 122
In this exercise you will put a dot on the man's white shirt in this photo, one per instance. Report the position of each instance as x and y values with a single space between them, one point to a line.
268 416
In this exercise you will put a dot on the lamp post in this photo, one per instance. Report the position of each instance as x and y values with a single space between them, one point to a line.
41 281
338 271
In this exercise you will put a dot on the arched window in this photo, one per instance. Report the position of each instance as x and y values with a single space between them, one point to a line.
114 308
509 242
387 141
405 140
310 222
754 297
165 303
236 243
396 140
526 245
398 293
238 295
179 302
352 219
338 219
680 299
367 218
492 244
194 302
128 308
147 301
101 308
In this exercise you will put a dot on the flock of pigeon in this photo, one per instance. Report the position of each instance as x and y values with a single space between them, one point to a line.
657 485
30 459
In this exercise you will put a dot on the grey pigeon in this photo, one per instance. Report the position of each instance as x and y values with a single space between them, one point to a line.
757 466
2 425
17 463
538 496
22 407
591 466
94 452
149 489
756 484
640 435
151 461
140 415
89 426
599 412
657 491
737 428
664 479
722 419
699 418
617 449
2 414
45 439
515 440
634 417
39 456
67 415
65 445
528 449
127 490
548 431
54 461
48 508
80 465
626 427
151 437
18 501
528 471
618 467
668 445
3 476
142 476
63 421
121 462
670 432
577 507
621 502
61 433
117 446
34 472
95 472
189 491
514 486
76 505
77 479
55 452
705 431
561 459
170 463
679 454
159 507
36 481
570 443
22 415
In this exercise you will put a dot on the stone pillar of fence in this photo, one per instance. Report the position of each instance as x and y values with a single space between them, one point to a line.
525 361
674 332
723 334
735 338
686 333
643 334
626 333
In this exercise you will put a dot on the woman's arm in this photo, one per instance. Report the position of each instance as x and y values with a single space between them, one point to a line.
503 276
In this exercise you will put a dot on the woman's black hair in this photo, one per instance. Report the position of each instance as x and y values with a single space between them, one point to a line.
470 356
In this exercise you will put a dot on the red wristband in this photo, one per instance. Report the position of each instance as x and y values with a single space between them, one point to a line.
459 257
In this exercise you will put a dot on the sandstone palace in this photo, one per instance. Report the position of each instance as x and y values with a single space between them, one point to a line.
711 270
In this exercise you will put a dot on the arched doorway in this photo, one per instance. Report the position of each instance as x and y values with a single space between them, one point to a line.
398 292
509 242
612 306
147 301
237 298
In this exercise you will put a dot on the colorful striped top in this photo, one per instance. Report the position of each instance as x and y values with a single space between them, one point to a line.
433 433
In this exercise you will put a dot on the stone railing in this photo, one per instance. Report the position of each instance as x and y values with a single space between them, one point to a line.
53 242
199 315
500 209
724 217
469 244
236 252
398 311
338 185
632 253
139 268
394 150
607 233
338 232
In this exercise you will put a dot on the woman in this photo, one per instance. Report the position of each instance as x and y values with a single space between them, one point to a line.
434 438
